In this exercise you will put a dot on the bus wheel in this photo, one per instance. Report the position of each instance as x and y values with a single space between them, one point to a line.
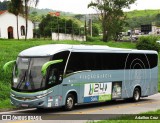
136 94
69 105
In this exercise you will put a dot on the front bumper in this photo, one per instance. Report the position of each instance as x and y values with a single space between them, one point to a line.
36 103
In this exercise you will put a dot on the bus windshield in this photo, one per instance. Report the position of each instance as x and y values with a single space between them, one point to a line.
27 74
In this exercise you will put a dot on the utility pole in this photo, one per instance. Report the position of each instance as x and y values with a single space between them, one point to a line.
90 25
85 28
65 27
51 28
58 26
72 31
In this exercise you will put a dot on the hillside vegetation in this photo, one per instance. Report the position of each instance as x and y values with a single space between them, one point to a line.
134 18
46 11
142 13
130 14
137 18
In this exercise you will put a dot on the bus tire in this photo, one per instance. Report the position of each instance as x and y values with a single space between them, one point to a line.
136 94
70 102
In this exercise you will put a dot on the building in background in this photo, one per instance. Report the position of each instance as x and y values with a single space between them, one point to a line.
8 26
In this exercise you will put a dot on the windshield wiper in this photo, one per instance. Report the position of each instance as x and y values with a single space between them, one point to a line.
31 81
42 80
22 80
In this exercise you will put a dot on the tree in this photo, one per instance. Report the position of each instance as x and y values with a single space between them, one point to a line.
4 5
28 3
35 17
111 13
79 16
16 7
136 22
95 29
51 24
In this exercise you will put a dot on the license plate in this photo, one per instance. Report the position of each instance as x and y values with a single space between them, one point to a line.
24 105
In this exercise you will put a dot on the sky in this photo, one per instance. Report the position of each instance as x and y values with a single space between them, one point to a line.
74 6
80 6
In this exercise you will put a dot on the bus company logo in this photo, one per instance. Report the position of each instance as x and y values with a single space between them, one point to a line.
24 98
96 76
27 83
91 89
97 92
97 88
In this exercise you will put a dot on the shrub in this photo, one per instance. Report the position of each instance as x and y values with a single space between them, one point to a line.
92 39
148 43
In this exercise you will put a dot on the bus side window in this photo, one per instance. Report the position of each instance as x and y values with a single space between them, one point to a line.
61 55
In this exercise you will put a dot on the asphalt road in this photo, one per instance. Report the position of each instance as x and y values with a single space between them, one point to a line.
89 112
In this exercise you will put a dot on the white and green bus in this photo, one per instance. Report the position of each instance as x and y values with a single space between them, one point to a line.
56 75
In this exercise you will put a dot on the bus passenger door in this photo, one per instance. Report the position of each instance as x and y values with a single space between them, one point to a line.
54 81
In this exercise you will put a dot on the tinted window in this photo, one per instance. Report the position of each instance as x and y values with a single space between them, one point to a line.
153 60
141 61
62 55
110 61
56 71
95 61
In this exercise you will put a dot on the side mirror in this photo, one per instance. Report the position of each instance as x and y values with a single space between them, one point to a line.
5 67
47 64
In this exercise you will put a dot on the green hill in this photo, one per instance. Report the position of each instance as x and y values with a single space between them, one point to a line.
137 18
37 14
142 13
130 14
134 19
46 11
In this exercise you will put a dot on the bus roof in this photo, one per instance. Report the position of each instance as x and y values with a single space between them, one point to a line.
51 49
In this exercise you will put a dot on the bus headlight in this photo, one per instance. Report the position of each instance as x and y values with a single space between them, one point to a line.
43 95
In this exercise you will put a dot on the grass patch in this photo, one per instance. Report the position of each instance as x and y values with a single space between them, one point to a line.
5 104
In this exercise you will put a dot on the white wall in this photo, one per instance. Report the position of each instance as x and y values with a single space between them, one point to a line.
8 19
67 37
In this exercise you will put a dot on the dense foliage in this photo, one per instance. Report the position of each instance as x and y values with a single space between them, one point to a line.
60 24
4 5
136 22
111 15
148 43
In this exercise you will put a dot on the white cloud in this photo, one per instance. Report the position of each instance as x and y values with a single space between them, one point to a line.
75 6
80 6
146 4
